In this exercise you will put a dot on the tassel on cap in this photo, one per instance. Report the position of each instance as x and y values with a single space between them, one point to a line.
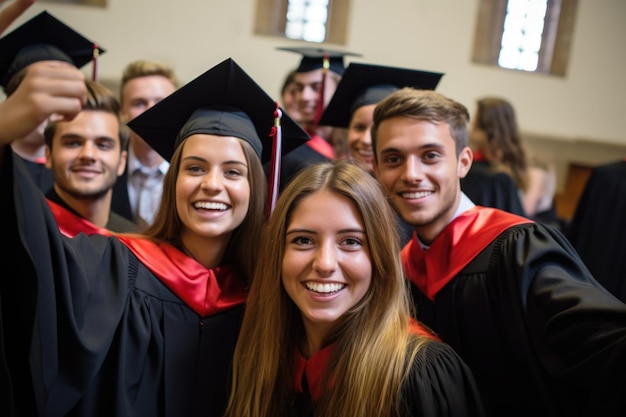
44 38
277 143
319 110
94 62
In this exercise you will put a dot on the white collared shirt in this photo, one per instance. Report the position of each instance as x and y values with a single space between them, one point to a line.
145 186
464 204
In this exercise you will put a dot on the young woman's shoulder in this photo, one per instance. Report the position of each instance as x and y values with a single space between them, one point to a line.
440 384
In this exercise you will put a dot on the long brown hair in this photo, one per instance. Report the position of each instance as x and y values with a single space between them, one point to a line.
495 117
243 245
372 344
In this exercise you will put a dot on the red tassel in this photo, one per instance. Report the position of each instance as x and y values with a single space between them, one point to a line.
94 62
277 143
320 102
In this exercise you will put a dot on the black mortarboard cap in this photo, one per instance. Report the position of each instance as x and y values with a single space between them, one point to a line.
43 38
313 58
364 84
223 101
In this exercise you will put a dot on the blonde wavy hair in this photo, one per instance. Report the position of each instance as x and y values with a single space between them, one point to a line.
373 348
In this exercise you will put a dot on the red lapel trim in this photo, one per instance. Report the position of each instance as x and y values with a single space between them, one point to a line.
432 269
205 291
313 368
479 156
321 146
71 224
418 328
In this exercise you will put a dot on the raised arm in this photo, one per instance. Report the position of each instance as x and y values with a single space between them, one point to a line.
49 88
12 11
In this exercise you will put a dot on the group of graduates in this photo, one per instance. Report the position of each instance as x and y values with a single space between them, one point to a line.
272 283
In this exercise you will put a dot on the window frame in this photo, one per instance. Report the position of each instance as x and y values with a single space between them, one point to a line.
556 39
271 20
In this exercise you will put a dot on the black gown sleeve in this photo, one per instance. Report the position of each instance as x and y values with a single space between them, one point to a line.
440 385
58 328
86 330
526 313
598 228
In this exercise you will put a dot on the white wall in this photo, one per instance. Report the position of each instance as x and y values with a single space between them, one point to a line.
193 35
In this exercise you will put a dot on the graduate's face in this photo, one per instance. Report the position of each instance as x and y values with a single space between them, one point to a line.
86 156
308 89
290 101
359 137
141 93
212 187
326 267
418 165
137 96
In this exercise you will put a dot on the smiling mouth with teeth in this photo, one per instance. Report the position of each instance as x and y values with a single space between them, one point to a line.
418 194
324 288
211 206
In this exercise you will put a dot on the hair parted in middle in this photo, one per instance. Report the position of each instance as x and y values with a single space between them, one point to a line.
372 344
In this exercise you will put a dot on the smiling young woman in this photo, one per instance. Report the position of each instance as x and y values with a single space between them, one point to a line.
334 335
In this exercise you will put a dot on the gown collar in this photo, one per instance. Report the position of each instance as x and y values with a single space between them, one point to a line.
432 268
311 369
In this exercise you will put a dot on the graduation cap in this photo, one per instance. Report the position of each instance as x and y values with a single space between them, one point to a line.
364 84
43 38
313 58
223 101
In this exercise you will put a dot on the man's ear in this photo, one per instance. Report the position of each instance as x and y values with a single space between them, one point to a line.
48 158
122 167
464 162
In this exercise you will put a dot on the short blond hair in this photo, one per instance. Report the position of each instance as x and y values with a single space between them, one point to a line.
144 68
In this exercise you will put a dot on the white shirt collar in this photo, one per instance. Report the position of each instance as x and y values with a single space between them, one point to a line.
134 164
464 204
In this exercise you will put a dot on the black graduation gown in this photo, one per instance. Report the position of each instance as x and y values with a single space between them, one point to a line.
41 175
439 385
491 189
540 334
598 229
88 330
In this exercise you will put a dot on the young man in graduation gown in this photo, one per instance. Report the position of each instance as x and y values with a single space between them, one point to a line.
512 297
42 38
86 156
316 79
127 325
598 229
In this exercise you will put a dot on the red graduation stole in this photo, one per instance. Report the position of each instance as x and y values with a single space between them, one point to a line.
419 329
205 291
321 146
313 367
312 370
430 270
71 224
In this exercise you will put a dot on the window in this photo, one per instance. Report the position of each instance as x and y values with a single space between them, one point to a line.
307 20
525 35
